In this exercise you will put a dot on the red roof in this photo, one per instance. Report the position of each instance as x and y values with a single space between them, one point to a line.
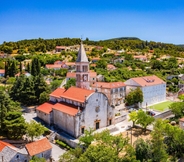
38 147
71 75
148 80
57 92
140 56
66 108
182 119
2 71
60 47
4 144
58 62
109 66
73 93
110 85
45 107
52 66
70 63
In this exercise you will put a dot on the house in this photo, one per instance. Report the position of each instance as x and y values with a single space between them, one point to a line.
9 153
111 67
53 66
94 60
100 78
2 72
141 58
60 49
115 91
78 108
40 148
153 88
181 123
27 74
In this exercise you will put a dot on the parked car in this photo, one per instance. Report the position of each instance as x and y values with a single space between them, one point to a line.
151 113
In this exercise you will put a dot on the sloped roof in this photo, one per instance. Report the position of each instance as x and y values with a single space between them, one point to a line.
39 146
2 71
181 119
52 66
110 85
71 75
70 63
45 107
82 54
73 93
4 144
148 80
57 92
66 108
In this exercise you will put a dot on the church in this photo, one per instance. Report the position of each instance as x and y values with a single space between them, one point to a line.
78 108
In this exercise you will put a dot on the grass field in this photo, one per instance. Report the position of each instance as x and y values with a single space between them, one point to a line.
161 106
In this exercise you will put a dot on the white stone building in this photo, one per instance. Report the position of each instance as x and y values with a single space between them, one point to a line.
153 88
77 108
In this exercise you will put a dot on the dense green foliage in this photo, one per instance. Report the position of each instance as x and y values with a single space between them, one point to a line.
29 90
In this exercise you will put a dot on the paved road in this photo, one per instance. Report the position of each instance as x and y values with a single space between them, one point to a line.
56 152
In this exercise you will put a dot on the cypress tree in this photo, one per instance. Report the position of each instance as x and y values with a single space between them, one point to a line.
20 67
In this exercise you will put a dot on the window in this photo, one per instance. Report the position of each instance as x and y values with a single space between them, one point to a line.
97 125
110 122
17 156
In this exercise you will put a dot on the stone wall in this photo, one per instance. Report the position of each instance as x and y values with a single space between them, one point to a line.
164 114
120 118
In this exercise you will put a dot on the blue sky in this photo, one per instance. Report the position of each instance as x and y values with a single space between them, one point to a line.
160 21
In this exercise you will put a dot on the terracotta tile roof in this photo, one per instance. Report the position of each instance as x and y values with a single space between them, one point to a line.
110 85
57 92
71 75
45 107
52 66
148 80
93 65
182 119
70 63
66 108
2 71
73 93
60 47
109 66
58 62
96 58
140 56
76 94
39 146
4 144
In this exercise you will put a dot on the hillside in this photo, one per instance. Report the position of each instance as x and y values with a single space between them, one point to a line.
124 38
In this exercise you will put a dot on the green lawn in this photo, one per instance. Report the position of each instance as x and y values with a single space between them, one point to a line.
161 106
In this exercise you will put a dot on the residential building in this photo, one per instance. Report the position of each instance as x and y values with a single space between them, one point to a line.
111 67
141 58
115 91
181 123
41 148
153 88
2 72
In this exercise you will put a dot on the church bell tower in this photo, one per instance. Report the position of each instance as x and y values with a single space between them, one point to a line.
82 69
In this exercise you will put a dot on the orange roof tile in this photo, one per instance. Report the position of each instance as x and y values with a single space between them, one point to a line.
182 119
70 63
2 71
57 92
45 107
60 47
140 56
73 93
93 65
66 108
58 62
39 146
110 85
109 66
92 74
148 80
71 75
4 144
76 94
52 66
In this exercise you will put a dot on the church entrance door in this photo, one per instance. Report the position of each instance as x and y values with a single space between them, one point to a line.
97 125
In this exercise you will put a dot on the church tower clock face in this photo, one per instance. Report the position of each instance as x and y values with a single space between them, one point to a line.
85 78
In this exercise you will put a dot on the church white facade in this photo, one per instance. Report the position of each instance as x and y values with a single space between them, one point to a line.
77 108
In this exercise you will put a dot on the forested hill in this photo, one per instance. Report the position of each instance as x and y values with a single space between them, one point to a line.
181 45
127 43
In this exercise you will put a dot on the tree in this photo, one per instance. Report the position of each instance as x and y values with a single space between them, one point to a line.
35 66
177 108
181 97
143 119
143 150
101 64
158 147
37 159
133 117
44 96
14 125
34 129
70 83
134 96
55 84
6 105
